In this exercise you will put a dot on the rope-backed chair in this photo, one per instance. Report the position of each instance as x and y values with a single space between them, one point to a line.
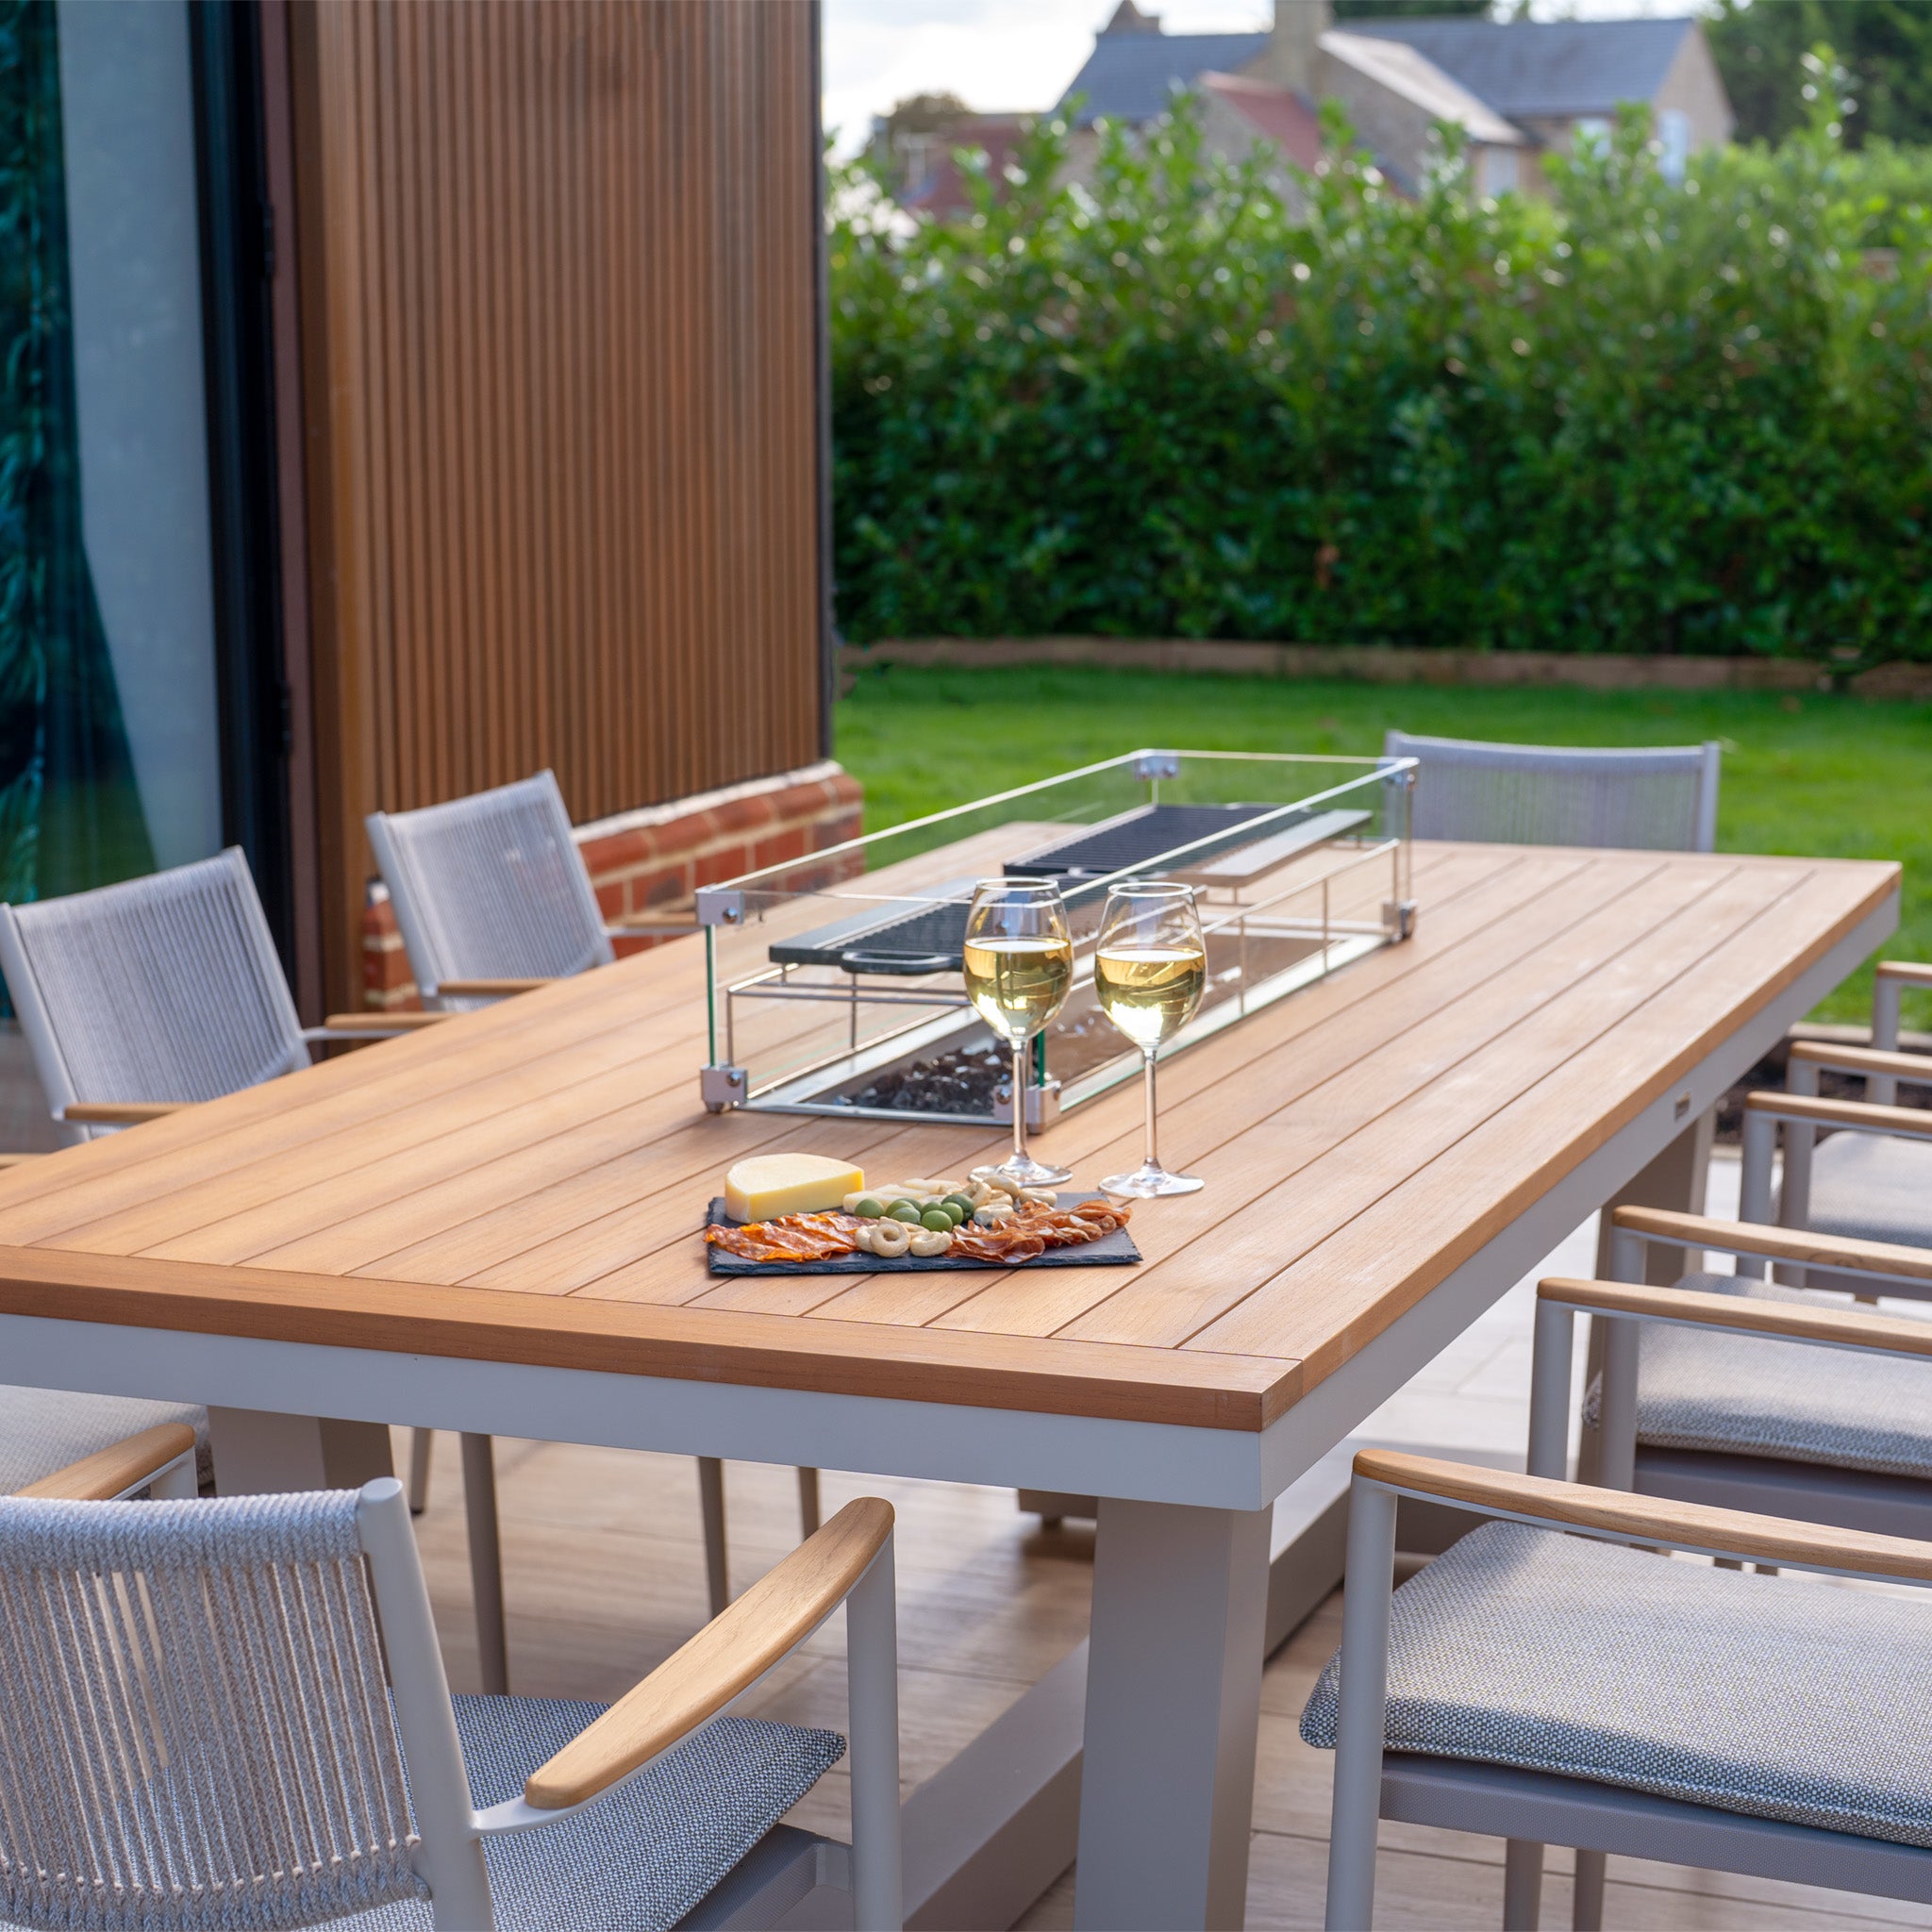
1731 1391
490 894
140 999
492 900
1662 800
1871 1177
1545 1682
234 1713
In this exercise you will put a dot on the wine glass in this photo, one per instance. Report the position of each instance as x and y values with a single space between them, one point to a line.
1149 973
1018 964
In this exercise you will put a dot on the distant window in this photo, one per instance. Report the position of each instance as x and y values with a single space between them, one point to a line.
1673 142
1591 135
1495 170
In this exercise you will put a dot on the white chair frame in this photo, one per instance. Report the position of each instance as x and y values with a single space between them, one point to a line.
453 1831
1529 1809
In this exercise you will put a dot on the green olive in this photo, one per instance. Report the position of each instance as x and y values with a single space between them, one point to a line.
938 1220
869 1209
904 1210
961 1204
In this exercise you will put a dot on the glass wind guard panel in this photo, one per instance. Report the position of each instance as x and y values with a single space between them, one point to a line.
835 977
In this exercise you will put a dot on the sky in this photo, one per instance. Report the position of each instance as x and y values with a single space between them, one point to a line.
1021 54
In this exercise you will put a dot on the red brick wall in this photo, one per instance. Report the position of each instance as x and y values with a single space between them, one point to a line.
649 865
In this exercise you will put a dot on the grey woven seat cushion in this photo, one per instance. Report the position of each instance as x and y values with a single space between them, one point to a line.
643 1858
45 1429
1874 1187
1774 1697
1749 1395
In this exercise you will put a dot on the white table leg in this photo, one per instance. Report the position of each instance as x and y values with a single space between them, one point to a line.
258 1452
1173 1685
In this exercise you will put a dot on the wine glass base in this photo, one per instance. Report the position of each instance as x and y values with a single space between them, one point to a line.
1148 1182
1027 1173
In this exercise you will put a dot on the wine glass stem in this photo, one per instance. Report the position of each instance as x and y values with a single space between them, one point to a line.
1152 1155
1020 1047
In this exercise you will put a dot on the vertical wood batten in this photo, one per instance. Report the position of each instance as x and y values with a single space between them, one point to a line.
559 403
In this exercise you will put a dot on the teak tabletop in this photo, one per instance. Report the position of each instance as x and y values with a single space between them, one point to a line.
525 1183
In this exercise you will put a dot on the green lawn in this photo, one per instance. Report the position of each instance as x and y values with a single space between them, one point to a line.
1830 775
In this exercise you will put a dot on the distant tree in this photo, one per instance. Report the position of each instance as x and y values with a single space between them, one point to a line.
1886 46
1397 10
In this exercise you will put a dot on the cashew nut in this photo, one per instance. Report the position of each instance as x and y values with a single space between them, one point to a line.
1039 1197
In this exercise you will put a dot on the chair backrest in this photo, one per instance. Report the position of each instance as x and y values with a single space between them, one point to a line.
195 1727
164 987
1662 800
491 887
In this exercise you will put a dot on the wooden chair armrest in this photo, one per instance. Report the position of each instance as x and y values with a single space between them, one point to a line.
121 1113
1777 1243
19 1160
1622 1516
1864 1059
504 988
112 1471
734 1649
1911 971
373 1025
1749 1314
1861 1115
648 928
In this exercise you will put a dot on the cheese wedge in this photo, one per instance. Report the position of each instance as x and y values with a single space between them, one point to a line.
770 1184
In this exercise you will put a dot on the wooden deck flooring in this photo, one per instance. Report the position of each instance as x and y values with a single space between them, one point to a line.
606 1578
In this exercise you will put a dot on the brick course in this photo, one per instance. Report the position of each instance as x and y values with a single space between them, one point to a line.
649 863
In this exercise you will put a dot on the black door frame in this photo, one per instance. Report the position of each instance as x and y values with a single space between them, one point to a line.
238 262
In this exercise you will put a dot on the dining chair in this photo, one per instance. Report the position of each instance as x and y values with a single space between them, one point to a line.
1871 1177
143 998
1736 1393
1554 1678
492 900
158 1461
254 1729
1654 799
490 894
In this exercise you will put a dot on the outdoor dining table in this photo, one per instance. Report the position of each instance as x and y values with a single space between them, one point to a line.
491 1225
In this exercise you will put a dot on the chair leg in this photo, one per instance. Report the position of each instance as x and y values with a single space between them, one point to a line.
421 1444
1587 1914
485 1562
808 1501
1522 1885
711 1503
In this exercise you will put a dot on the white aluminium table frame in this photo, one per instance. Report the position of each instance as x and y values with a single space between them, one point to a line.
1166 1698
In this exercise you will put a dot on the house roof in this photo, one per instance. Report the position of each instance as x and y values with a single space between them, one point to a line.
1128 76
1276 113
1405 72
1556 68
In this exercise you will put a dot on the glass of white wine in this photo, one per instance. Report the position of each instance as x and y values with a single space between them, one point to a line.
1019 965
1149 973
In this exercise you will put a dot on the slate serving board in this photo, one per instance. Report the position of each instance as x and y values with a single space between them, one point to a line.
1115 1250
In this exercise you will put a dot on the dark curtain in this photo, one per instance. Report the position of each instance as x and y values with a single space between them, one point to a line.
70 815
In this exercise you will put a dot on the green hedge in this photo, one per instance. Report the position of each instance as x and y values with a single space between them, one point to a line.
1635 417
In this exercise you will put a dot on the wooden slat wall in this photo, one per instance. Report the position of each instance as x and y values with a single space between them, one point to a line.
557 263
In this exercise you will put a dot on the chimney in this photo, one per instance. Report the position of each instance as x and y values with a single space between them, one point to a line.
1294 53
1129 19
